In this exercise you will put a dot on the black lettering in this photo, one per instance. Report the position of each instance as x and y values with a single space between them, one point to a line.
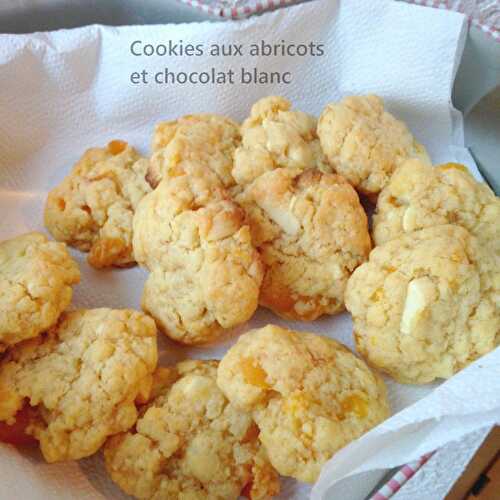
135 78
169 76
320 48
161 50
172 48
266 49
133 47
246 76
148 50
301 50
226 50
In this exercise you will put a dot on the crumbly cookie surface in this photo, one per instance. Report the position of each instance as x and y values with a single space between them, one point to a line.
36 276
311 232
365 143
426 304
205 272
309 395
203 138
308 225
93 207
191 443
419 196
275 136
83 376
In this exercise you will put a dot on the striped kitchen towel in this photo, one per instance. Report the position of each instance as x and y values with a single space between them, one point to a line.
485 14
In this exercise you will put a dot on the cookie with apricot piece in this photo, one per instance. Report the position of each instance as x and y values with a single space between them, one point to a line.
205 273
205 138
420 195
83 378
191 442
365 143
93 207
311 232
426 304
36 279
309 395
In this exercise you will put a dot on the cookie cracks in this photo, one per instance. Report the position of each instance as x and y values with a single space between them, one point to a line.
205 272
92 209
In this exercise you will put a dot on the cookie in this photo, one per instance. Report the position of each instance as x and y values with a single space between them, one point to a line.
274 136
365 143
419 195
93 207
190 442
307 224
205 272
311 232
309 395
83 377
426 304
36 276
203 138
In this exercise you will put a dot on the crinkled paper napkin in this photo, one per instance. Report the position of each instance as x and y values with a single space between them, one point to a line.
65 91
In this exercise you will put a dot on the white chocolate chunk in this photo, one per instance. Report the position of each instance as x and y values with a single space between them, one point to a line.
419 295
409 219
280 215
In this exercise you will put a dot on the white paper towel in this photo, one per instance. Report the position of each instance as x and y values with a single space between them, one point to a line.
65 91
435 480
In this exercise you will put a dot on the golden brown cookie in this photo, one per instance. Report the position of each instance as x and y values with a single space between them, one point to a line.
307 224
419 195
191 443
309 395
275 136
365 143
205 272
203 138
83 377
36 276
312 233
93 207
426 304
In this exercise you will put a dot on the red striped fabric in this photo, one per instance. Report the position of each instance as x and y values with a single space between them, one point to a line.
484 15
399 479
